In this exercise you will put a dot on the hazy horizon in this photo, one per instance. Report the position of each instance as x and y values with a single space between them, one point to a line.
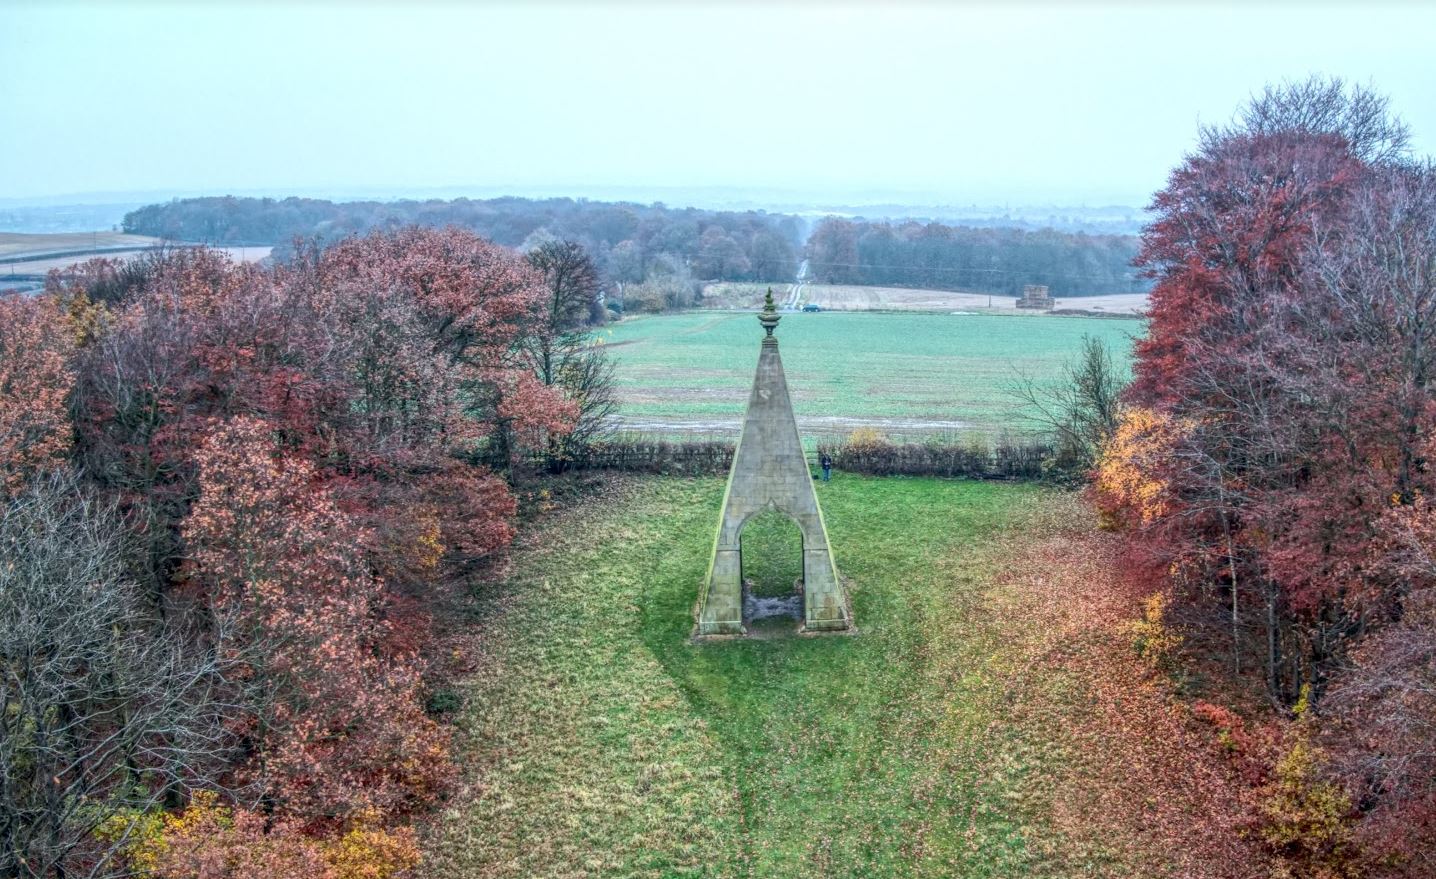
1027 104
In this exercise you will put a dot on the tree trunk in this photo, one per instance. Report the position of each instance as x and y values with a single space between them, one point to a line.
1273 647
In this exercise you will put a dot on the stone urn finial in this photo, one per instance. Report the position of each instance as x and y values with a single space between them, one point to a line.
769 317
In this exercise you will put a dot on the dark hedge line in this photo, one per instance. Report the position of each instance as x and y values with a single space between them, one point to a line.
690 458
1004 460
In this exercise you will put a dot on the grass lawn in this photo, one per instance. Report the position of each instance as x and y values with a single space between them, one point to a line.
599 740
857 365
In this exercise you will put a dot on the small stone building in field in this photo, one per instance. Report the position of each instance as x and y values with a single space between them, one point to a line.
1035 296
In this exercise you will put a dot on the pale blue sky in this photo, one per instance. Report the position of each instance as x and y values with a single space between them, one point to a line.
1039 102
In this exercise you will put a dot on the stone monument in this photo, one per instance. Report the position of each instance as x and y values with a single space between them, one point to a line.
770 472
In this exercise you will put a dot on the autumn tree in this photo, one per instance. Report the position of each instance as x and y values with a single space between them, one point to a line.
564 355
1082 408
771 258
833 251
146 383
571 283
298 456
478 301
626 263
36 375
1136 473
1291 332
340 731
106 710
108 282
719 256
1322 106
391 361
210 839
1386 700
1241 341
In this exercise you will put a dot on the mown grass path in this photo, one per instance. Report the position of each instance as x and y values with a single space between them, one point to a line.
600 741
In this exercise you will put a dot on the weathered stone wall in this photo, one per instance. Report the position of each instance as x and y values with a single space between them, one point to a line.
769 470
1035 296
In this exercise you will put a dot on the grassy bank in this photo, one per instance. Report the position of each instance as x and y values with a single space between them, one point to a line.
601 742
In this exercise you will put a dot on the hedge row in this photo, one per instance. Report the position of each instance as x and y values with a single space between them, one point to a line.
691 458
1004 460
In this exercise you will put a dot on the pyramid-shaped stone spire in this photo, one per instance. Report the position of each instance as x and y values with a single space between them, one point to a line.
770 472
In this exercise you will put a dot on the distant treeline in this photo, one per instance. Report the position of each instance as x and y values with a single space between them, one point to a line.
981 260
630 243
654 257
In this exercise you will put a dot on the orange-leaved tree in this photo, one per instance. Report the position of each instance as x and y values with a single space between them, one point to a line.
36 375
341 731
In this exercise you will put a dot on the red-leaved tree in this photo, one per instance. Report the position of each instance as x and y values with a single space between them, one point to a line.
36 375
342 730
1293 336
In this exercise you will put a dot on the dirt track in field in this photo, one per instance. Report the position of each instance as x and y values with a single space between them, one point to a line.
832 297
824 426
846 297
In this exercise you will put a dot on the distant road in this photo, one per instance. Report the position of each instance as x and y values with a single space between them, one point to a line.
34 245
68 254
795 290
26 259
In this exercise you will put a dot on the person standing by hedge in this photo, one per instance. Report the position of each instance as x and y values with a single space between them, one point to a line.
826 462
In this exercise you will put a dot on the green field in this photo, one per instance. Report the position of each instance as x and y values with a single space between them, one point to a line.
906 373
599 740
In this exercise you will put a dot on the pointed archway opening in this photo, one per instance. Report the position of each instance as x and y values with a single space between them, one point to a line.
771 556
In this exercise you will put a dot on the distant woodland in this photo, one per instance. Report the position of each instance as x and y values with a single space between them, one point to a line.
936 256
630 243
665 252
